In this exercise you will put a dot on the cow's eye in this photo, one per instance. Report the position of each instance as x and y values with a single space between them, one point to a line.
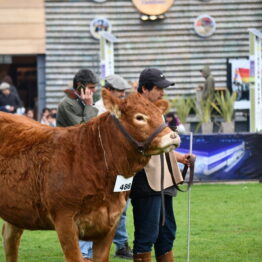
139 118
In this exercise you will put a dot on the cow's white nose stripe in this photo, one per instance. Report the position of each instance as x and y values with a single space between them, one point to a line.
170 139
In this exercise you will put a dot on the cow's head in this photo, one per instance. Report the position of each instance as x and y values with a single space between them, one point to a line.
141 118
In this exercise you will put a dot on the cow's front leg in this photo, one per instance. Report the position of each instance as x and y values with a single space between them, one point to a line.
11 240
68 236
101 247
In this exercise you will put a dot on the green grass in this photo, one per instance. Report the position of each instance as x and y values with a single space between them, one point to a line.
226 226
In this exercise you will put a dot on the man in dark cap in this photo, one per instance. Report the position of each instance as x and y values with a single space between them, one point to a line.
145 193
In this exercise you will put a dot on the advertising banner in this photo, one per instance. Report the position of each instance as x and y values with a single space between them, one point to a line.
226 156
241 78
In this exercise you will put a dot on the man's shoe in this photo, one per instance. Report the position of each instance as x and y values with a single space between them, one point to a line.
125 252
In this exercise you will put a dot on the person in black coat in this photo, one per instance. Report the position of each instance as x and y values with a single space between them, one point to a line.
8 100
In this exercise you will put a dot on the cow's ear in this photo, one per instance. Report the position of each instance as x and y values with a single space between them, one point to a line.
163 105
112 103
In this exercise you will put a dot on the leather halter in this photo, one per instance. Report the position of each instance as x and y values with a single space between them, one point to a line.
140 146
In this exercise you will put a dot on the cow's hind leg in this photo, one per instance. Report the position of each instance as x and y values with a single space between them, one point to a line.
11 239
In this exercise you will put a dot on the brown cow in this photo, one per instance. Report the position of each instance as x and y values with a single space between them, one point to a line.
63 178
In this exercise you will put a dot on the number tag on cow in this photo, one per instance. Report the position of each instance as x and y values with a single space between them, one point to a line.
123 184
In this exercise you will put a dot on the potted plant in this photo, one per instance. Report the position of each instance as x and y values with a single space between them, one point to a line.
182 108
224 105
203 110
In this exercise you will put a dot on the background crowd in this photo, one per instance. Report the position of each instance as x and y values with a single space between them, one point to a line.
10 102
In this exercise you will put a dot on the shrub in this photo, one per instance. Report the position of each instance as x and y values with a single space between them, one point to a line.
182 107
224 105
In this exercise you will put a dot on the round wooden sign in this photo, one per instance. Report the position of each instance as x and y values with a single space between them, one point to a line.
153 7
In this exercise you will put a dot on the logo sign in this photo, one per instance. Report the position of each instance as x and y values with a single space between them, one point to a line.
153 7
205 25
99 1
99 25
255 56
106 57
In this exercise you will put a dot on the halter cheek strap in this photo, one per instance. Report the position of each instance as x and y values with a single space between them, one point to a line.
140 146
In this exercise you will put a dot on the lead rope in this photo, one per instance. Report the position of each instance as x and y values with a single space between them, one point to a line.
189 203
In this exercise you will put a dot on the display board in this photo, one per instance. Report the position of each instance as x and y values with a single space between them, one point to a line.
226 156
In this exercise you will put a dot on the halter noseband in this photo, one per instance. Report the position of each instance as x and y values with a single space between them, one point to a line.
140 146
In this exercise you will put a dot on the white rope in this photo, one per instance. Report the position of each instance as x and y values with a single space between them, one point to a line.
100 138
189 204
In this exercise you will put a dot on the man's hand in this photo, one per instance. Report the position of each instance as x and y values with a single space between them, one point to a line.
184 158
87 96
10 108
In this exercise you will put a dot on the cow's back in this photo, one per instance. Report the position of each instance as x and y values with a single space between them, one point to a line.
21 141
36 169
19 132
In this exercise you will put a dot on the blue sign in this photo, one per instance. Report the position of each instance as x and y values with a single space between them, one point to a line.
226 156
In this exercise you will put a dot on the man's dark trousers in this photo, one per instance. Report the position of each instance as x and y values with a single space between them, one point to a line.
149 231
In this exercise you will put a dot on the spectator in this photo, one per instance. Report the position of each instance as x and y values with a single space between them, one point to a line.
77 105
174 123
53 111
117 86
30 113
208 89
76 108
8 79
44 116
8 101
51 120
145 193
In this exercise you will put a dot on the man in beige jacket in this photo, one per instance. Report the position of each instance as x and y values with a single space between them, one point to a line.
145 193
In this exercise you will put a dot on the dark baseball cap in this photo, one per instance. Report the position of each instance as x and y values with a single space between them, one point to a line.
154 76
